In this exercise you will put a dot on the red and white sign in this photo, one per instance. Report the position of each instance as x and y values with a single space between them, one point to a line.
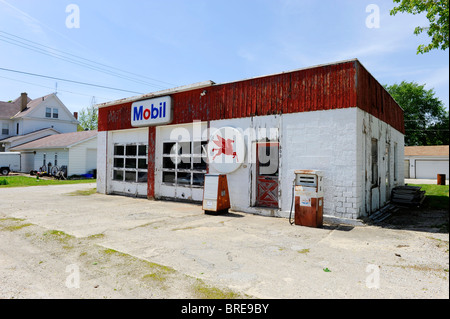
226 150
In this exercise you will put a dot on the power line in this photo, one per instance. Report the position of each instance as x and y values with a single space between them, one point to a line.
47 87
71 81
38 50
60 55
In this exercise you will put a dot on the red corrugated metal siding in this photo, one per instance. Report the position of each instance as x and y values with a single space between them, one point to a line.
116 117
335 86
375 100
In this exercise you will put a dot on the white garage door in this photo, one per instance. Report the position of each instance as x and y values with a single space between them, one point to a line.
430 169
128 162
180 161
27 162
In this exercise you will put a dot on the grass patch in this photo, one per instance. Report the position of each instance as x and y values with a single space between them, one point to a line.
203 291
24 181
436 196
12 224
60 236
151 271
96 236
303 251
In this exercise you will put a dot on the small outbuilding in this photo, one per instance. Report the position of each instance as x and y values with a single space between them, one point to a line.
77 151
426 162
335 118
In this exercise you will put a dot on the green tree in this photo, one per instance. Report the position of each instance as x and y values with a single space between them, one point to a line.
426 119
437 15
88 119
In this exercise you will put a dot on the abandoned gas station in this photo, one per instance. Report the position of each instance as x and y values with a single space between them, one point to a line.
336 120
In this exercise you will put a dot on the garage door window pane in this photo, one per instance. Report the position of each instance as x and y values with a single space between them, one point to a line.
142 163
167 147
118 162
184 178
130 163
131 150
130 176
142 177
168 177
142 150
119 150
118 175
168 163
198 179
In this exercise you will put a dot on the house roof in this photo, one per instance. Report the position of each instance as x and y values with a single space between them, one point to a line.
9 109
12 109
31 105
19 137
58 141
438 150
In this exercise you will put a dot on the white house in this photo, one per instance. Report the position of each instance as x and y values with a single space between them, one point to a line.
77 151
34 119
426 162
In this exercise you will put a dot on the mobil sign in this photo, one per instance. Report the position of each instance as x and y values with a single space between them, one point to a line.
151 112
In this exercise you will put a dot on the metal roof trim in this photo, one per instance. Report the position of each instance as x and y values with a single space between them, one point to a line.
178 89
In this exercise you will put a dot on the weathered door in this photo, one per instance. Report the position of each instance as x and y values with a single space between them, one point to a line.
375 177
267 174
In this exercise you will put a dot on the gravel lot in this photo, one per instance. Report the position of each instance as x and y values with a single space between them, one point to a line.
68 242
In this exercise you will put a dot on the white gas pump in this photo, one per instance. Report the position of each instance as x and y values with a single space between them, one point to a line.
308 198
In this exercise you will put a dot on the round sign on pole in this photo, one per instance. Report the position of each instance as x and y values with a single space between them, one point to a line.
226 150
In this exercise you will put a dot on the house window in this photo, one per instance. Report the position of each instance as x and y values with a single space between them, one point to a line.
5 129
55 113
56 159
17 129
130 163
184 163
48 112
374 162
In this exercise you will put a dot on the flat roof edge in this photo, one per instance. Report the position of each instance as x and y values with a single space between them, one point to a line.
178 89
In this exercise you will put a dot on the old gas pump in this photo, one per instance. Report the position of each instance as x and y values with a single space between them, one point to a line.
308 194
216 198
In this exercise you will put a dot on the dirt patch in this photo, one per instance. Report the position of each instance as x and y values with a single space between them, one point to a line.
52 264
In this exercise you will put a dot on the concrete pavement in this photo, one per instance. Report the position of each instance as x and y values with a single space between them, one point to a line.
263 257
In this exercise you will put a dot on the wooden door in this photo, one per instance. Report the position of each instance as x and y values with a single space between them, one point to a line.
267 174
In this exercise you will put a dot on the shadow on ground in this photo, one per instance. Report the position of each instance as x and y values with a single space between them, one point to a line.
426 218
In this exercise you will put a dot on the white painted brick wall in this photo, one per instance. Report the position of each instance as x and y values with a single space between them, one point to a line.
333 141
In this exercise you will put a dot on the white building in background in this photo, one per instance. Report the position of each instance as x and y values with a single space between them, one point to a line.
33 119
77 151
426 162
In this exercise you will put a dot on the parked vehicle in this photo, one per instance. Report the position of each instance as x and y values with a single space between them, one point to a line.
9 162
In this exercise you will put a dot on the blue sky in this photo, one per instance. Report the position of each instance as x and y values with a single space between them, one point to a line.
178 42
